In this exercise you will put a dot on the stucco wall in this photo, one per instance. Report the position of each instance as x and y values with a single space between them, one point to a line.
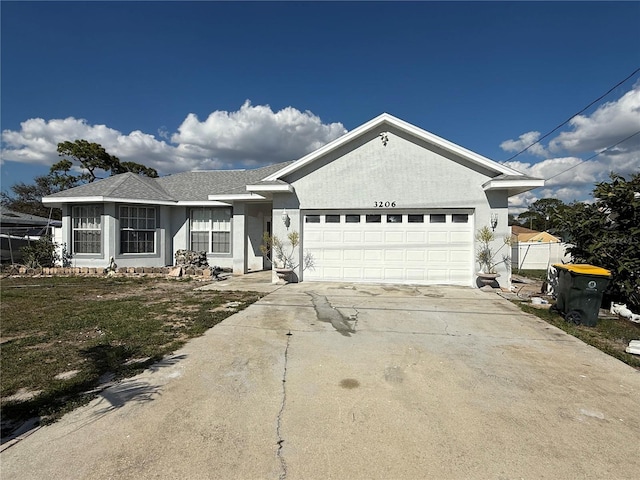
413 175
401 171
111 241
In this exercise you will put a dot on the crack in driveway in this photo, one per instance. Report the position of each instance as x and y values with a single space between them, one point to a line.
279 439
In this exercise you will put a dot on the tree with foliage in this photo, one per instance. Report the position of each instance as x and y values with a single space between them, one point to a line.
92 159
542 215
28 198
607 234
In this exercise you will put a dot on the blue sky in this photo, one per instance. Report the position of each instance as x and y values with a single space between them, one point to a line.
196 85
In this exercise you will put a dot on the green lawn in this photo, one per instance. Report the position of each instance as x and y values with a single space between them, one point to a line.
98 327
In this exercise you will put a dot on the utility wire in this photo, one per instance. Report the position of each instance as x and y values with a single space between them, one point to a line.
594 156
574 115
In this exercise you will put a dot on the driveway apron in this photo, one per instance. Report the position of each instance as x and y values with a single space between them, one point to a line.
357 382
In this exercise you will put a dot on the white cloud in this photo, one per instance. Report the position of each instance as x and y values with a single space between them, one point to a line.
570 177
523 142
255 135
252 136
609 124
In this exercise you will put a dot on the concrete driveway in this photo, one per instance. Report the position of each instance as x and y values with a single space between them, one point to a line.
336 381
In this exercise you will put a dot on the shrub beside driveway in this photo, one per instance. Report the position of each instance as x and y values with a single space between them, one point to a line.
65 338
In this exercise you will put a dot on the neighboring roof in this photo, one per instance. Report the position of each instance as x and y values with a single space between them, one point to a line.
181 187
541 237
11 217
517 229
518 182
523 234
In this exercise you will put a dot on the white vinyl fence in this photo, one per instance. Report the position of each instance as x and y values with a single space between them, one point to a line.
537 256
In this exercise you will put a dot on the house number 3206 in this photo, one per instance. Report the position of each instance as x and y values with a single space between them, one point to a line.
384 204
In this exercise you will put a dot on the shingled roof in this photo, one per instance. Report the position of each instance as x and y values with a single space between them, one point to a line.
195 186
186 186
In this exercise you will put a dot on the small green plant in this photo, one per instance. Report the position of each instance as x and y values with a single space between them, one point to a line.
283 254
43 253
40 253
484 254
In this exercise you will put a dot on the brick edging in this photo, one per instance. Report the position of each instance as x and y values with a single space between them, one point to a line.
97 271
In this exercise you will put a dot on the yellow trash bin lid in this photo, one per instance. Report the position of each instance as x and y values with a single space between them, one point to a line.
584 269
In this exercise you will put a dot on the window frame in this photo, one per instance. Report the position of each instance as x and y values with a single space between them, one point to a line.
98 213
215 236
148 234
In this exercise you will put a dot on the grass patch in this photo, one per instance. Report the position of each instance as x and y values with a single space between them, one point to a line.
532 274
96 327
610 335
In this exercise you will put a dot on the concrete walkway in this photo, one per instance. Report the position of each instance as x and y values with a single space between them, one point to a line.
336 381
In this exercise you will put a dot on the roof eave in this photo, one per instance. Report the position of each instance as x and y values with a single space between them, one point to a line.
59 201
513 186
237 196
270 188
203 203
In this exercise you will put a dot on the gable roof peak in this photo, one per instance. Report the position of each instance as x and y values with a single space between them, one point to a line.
409 129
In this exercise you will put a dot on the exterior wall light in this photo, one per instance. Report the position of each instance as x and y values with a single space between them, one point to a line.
285 218
494 221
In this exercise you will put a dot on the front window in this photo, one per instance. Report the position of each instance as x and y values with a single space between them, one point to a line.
210 230
137 229
87 228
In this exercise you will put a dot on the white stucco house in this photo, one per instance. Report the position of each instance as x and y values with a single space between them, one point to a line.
387 202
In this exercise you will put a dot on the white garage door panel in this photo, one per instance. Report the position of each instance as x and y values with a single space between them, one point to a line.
460 237
315 236
415 256
331 254
331 237
373 274
350 255
372 237
398 252
372 255
415 237
394 255
415 274
352 237
437 237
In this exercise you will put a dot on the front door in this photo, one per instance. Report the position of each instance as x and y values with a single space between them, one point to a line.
267 230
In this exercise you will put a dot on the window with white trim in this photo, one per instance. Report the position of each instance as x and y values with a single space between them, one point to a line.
210 230
137 229
87 228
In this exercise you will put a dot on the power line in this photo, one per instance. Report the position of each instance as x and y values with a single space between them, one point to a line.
594 156
574 115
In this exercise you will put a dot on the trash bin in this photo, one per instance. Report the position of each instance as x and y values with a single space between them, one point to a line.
580 290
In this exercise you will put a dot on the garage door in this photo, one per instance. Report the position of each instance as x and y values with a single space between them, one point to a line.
398 247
